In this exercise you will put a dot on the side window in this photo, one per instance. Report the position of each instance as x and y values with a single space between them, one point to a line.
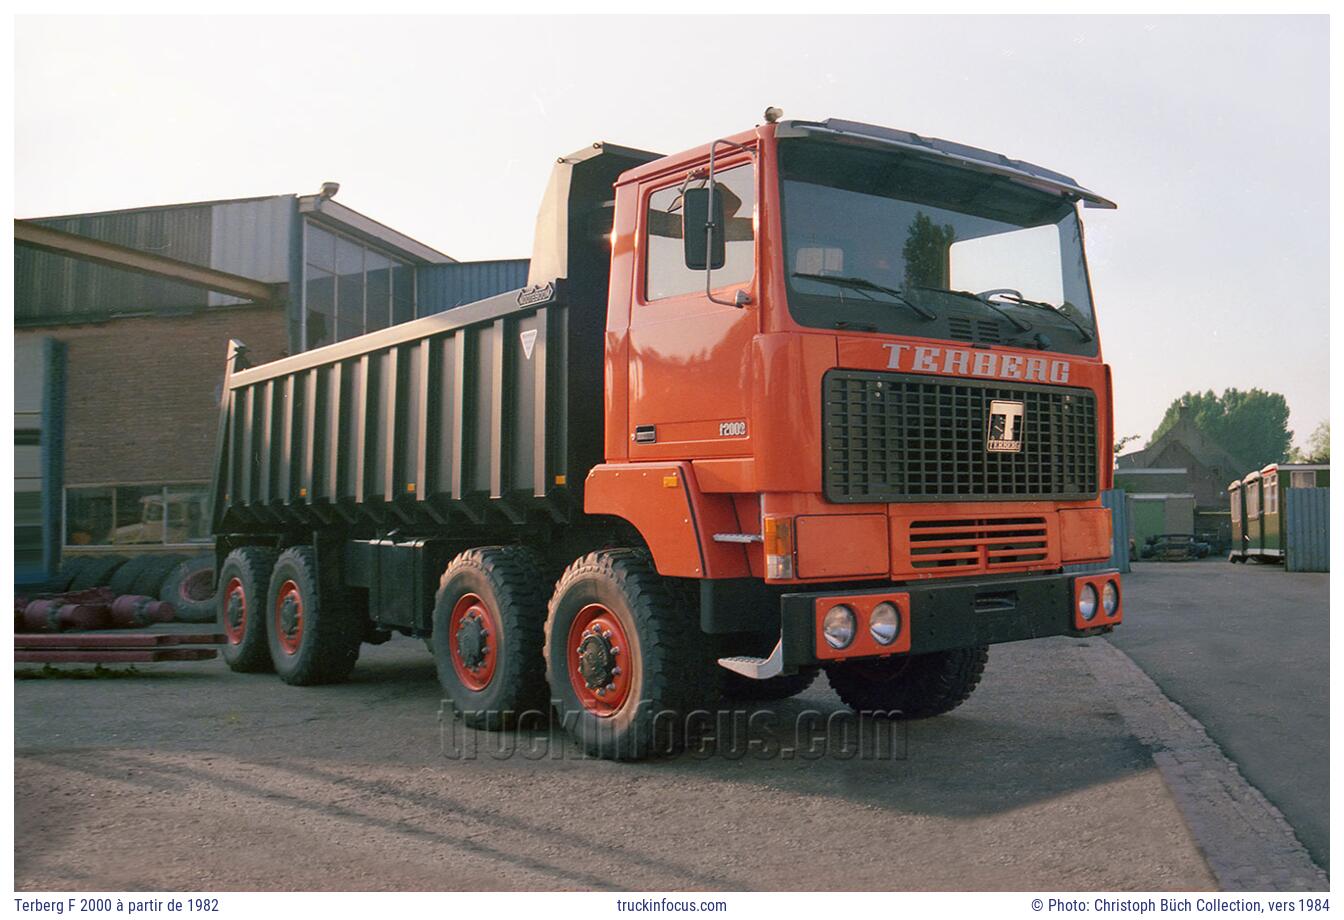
1272 495
666 274
1253 499
1236 507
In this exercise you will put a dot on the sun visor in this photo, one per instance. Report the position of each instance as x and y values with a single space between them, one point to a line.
1023 173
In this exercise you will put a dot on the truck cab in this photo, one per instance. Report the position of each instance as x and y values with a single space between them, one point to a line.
889 375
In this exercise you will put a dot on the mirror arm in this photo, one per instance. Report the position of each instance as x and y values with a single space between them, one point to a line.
742 298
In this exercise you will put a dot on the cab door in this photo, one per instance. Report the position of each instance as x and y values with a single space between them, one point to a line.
690 356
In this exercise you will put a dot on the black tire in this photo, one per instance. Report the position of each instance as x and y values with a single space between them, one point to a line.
671 673
96 573
313 640
241 605
492 675
71 568
909 686
737 687
123 579
190 588
155 572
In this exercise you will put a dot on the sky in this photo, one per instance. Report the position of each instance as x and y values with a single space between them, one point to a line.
1211 132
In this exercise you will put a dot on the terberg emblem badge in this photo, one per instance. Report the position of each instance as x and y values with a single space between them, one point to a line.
1005 426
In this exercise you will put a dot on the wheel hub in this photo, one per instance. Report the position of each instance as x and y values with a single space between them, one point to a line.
234 612
471 640
289 615
597 659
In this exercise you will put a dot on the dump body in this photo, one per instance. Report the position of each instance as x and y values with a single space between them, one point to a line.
490 412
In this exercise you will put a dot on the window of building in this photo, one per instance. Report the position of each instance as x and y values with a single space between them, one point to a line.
1303 479
666 274
1236 507
113 515
1253 500
1271 495
27 500
351 288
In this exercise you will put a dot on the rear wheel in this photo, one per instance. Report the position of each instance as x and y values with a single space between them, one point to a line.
242 603
489 623
909 686
313 640
623 657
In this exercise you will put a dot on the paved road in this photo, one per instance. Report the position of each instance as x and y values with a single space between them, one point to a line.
195 778
1245 649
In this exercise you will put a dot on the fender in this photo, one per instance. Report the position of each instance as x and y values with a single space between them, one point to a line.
677 520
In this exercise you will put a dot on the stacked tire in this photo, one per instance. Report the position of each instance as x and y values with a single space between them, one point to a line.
190 588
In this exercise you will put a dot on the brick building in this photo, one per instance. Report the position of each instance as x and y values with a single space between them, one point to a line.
118 372
1184 461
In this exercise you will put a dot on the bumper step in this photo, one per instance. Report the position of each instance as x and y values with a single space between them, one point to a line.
757 668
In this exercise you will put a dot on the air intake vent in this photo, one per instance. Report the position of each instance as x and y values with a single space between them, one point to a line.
966 329
978 544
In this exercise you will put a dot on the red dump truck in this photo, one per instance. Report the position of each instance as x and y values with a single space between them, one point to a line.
817 396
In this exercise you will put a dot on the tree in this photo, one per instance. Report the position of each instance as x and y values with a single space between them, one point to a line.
1251 425
925 252
1121 442
1318 446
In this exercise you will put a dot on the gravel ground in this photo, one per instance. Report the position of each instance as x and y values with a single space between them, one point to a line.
190 777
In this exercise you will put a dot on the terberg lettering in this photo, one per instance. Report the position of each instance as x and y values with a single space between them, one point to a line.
932 359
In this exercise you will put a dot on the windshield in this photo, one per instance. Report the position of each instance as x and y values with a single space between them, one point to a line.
859 221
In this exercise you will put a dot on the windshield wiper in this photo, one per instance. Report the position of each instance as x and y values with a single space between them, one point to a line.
1018 324
1016 297
864 285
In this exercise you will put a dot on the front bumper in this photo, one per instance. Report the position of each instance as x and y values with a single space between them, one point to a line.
946 615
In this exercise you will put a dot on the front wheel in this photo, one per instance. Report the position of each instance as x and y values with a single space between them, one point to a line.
909 686
623 656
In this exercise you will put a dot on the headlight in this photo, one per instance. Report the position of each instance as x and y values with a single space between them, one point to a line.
1087 602
838 626
885 623
1110 597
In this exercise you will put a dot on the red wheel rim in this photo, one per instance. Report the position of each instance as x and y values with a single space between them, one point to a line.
289 617
474 634
235 611
600 656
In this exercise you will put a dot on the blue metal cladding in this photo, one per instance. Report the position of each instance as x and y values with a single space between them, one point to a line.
1113 499
247 237
1307 530
442 287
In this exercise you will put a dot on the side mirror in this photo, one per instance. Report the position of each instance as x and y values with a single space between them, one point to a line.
704 248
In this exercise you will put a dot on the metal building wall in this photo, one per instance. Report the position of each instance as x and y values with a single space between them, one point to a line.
442 287
246 237
1114 499
1307 530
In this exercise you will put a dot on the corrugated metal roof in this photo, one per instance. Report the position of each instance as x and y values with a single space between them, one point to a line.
442 287
246 237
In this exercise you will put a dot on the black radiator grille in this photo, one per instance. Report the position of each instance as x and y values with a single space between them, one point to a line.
897 437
